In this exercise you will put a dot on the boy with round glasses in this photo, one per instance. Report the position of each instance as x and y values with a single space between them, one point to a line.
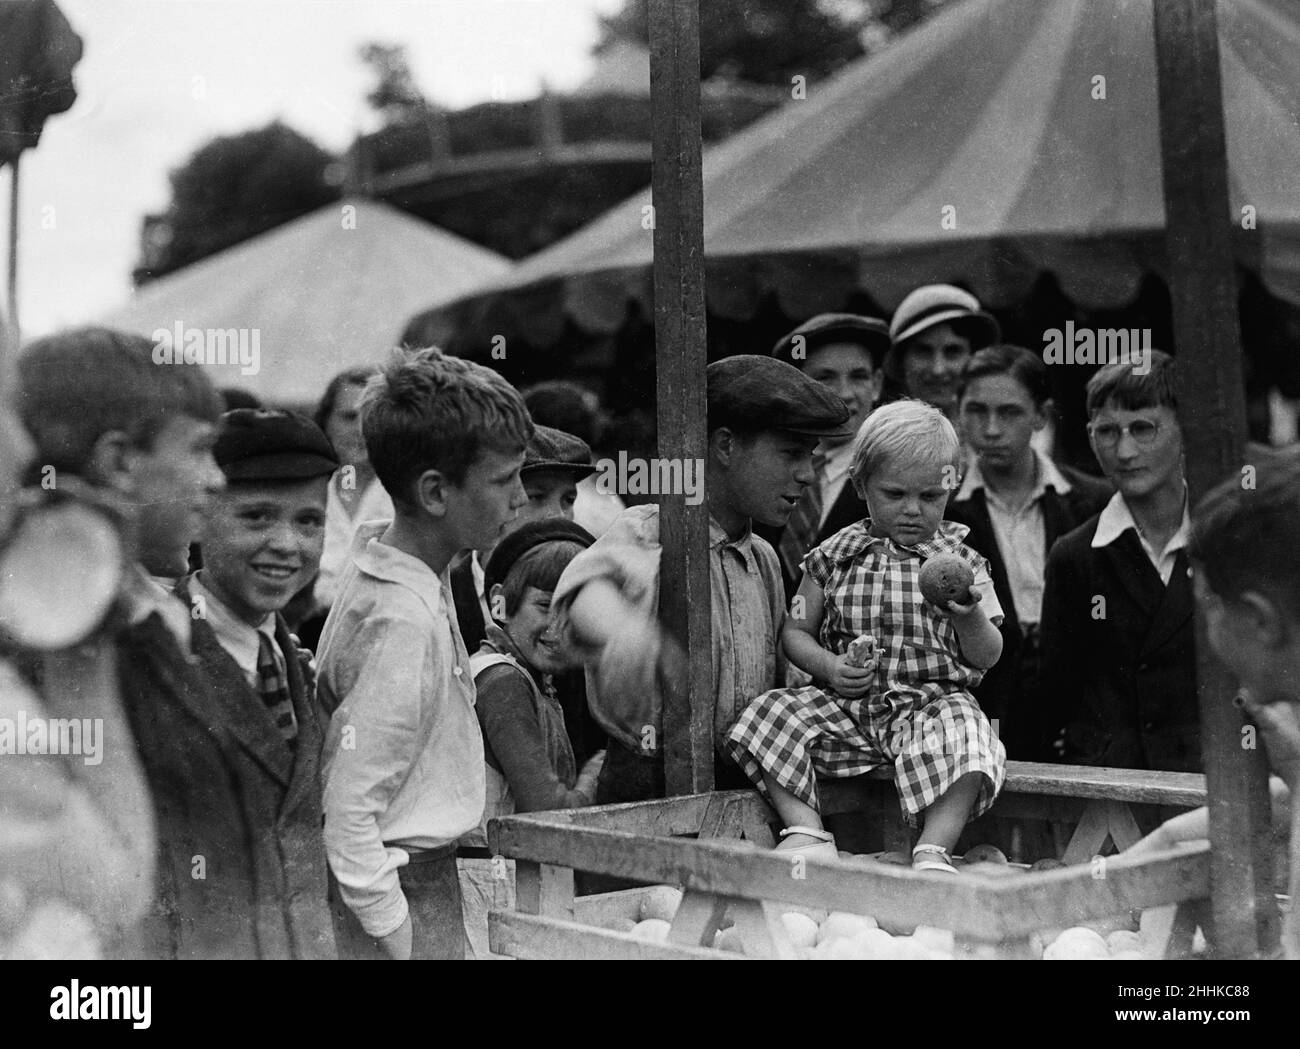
1119 662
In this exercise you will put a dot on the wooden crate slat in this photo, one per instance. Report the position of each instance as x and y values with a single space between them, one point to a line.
1140 786
604 907
664 816
532 936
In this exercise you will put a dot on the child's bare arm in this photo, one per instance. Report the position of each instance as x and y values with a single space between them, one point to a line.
981 644
799 638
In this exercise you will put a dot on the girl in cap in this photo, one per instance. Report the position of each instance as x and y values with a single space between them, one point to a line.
910 706
530 764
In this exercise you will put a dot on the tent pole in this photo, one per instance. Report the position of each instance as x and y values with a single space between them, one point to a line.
1211 399
11 294
680 357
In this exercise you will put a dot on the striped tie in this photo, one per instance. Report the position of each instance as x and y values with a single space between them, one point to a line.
800 533
273 686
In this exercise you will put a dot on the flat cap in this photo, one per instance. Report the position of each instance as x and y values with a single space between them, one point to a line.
762 393
261 444
551 449
869 332
521 540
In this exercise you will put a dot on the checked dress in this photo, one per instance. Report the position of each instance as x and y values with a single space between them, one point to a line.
919 715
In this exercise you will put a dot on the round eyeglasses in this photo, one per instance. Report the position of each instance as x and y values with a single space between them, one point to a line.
1107 435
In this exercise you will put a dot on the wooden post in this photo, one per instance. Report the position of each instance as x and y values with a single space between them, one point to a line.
680 357
11 294
1211 398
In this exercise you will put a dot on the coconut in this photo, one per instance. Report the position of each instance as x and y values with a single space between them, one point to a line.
660 902
1077 944
801 929
944 578
729 940
985 854
844 924
655 930
1123 940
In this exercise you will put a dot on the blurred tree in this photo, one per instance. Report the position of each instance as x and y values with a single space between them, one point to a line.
395 95
233 188
769 41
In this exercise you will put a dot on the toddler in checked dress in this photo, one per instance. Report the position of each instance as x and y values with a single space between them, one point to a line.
910 706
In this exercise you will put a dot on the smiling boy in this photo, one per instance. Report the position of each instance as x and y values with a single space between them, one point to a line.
404 767
261 544
1119 660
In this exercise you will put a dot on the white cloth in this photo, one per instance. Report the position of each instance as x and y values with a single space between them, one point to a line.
835 475
340 526
403 762
1116 519
1020 532
595 510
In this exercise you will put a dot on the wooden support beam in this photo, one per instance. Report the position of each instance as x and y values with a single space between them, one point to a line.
1211 398
680 356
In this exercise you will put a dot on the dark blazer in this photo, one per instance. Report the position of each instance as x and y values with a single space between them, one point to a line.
1007 692
847 508
1119 655
585 735
233 802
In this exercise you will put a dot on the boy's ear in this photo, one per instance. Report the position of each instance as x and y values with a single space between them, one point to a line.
431 492
722 443
1263 618
110 461
497 602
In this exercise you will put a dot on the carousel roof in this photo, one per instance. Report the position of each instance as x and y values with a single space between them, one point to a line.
980 148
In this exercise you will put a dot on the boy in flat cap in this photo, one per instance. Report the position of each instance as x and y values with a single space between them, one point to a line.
261 544
934 331
844 352
765 419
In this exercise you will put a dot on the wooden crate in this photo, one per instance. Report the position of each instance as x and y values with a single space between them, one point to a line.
718 848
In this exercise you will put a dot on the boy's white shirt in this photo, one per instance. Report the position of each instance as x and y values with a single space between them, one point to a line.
237 638
1116 519
340 529
403 764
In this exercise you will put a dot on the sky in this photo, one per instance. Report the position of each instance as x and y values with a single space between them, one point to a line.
158 78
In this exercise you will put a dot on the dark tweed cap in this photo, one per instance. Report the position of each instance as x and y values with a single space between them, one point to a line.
552 449
869 332
762 393
259 444
523 539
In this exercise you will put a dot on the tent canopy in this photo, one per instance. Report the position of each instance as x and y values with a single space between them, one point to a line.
993 109
325 292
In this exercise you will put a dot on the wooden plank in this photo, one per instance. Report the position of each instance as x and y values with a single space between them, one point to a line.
677 191
762 930
739 869
983 909
1089 836
697 919
1211 399
724 818
530 936
545 889
665 817
1035 778
1124 829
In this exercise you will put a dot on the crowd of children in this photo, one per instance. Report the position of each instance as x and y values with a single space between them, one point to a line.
265 802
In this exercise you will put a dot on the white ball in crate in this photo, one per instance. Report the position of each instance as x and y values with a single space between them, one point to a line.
875 944
843 924
653 930
1128 956
801 929
934 939
661 902
1123 940
1077 944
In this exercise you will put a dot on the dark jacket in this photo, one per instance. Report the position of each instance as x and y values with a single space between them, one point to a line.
242 869
1119 655
847 508
1008 691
